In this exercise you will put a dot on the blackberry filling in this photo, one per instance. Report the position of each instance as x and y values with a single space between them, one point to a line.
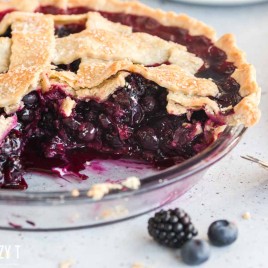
132 123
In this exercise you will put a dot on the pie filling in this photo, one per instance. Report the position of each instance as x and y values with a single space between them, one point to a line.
132 123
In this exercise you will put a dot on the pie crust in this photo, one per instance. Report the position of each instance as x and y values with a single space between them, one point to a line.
106 62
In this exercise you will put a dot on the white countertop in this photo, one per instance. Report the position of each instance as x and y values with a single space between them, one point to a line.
230 188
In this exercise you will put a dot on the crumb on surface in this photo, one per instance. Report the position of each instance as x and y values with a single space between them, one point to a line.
246 216
132 183
99 190
137 265
66 264
114 212
75 193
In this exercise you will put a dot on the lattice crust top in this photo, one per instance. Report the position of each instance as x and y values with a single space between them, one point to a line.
194 26
28 62
105 61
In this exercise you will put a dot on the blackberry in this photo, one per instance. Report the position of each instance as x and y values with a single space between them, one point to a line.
171 228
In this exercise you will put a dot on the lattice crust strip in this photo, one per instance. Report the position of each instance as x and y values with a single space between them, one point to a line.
105 61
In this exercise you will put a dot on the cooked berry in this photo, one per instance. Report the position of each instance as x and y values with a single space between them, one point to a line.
73 67
222 233
149 103
30 99
65 30
87 132
195 252
147 138
171 228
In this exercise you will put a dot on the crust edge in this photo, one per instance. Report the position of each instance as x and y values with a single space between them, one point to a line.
246 111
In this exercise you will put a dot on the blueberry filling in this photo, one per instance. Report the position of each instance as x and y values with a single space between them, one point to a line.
73 67
65 30
132 123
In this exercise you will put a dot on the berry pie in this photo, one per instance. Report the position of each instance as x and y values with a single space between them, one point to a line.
87 79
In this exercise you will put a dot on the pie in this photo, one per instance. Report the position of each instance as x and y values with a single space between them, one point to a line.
87 79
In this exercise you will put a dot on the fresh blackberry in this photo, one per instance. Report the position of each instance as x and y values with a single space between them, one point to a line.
171 228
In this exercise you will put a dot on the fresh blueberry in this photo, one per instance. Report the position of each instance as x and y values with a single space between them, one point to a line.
222 233
195 252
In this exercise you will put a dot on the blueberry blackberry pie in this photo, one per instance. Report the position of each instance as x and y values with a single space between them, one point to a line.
86 79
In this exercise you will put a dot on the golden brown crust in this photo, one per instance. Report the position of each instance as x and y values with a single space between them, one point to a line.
246 111
195 27
31 34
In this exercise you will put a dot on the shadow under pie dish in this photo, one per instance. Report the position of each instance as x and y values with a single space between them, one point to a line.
82 80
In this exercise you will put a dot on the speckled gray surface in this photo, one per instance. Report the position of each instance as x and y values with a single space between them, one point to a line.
230 188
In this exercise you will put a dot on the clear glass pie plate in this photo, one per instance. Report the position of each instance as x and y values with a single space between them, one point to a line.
49 205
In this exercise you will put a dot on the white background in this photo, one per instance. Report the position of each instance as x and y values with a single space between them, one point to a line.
230 188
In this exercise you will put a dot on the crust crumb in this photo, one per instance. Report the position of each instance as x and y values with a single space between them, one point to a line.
246 216
67 106
66 264
138 265
75 193
132 183
99 190
114 213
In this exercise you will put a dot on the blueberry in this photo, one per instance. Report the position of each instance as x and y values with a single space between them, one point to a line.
71 123
30 99
91 116
74 66
123 99
26 115
222 233
137 115
148 104
105 121
195 252
114 140
62 32
148 138
87 132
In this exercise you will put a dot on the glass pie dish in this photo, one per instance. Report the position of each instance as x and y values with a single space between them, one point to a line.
49 204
